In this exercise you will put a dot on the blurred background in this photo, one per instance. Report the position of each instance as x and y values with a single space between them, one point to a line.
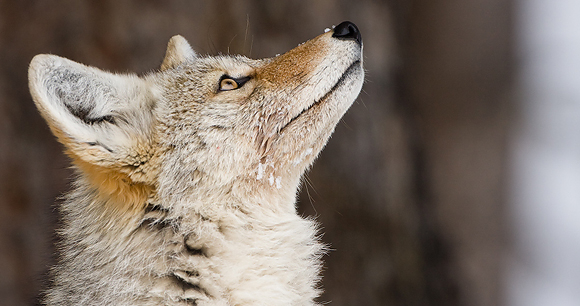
453 180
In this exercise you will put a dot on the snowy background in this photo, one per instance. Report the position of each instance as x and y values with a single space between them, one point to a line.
544 269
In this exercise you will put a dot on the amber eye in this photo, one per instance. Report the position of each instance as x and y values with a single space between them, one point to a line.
229 83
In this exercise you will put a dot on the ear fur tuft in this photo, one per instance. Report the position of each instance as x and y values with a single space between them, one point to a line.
178 51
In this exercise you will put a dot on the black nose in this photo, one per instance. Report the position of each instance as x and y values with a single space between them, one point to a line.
347 30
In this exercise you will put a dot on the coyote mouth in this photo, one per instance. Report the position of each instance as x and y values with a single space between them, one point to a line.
349 71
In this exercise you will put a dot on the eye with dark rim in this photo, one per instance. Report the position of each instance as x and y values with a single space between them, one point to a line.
229 83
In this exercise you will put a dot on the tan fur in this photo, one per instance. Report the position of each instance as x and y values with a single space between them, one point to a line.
116 189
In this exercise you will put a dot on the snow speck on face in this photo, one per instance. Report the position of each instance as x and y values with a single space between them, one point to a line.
302 156
260 171
278 182
271 180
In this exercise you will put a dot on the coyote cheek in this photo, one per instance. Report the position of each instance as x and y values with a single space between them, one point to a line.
187 176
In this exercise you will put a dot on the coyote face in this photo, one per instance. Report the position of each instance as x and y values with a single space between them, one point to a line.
199 140
262 120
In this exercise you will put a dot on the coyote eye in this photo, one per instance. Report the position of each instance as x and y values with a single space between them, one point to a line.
229 83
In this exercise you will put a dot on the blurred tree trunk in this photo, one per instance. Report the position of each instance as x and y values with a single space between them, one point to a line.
457 83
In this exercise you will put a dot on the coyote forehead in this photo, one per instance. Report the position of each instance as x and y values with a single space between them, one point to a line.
204 140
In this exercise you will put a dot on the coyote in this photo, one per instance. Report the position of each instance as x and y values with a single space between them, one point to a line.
187 177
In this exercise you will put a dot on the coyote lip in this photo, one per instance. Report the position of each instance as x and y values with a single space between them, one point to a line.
338 83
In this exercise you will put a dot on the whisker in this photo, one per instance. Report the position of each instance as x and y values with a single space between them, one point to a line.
246 34
251 45
230 43
346 124
310 198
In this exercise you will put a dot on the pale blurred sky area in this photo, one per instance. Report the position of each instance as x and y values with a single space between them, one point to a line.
544 268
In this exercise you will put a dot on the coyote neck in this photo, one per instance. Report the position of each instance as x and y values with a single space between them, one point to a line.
212 253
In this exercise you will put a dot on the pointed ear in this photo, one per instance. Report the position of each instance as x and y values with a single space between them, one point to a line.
178 51
99 116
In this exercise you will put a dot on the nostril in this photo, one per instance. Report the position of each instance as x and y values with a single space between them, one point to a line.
347 30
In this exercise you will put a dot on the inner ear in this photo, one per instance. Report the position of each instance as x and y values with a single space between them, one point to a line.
99 116
86 97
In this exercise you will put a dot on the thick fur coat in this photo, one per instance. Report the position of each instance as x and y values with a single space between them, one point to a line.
187 177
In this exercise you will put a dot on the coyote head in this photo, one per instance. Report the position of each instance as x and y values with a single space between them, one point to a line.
224 121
